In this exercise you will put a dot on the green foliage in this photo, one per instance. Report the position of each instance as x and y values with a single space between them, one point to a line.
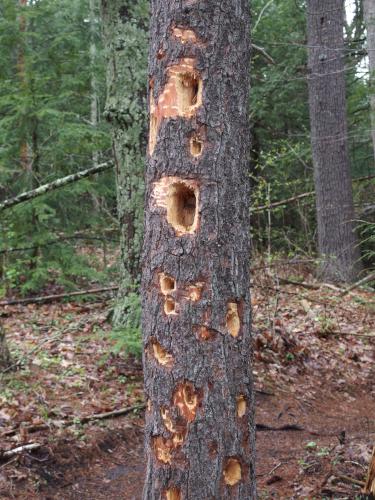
46 133
128 337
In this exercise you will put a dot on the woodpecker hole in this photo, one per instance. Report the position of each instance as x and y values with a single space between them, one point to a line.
186 400
233 319
195 292
149 405
167 284
173 494
178 440
170 307
163 449
161 355
182 207
232 471
185 35
241 406
206 334
196 146
189 92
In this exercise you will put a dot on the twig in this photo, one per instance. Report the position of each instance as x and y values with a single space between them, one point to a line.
263 53
20 449
52 298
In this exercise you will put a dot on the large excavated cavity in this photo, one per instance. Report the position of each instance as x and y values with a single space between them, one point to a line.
180 199
233 323
232 472
173 494
167 284
182 207
186 399
181 97
161 355
241 406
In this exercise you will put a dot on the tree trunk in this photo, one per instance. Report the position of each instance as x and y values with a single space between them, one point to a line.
93 82
126 47
338 245
369 15
199 428
4 351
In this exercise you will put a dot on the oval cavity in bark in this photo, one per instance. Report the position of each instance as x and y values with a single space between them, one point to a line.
232 471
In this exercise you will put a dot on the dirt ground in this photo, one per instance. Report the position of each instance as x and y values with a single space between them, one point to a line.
315 397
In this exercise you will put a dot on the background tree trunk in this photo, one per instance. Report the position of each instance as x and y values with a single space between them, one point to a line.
369 15
4 351
338 245
126 47
195 287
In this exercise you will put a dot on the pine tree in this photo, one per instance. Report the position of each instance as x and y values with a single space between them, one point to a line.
338 245
195 287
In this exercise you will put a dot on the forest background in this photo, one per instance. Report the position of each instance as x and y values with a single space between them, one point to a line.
55 120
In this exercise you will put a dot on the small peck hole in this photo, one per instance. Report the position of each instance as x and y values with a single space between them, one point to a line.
161 355
241 406
232 472
170 306
182 207
167 284
233 319
196 146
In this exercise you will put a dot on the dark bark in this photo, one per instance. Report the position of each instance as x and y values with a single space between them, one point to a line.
199 428
338 245
126 49
369 15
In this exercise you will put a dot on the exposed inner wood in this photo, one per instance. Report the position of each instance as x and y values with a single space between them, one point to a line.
170 307
232 472
167 284
181 97
161 355
196 146
241 406
185 35
180 198
204 333
173 494
163 449
167 420
195 292
232 319
186 400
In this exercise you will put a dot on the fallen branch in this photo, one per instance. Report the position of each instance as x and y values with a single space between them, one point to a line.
359 283
46 188
20 449
276 204
76 420
348 479
52 298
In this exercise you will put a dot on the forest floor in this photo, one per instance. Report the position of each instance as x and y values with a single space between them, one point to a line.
315 396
